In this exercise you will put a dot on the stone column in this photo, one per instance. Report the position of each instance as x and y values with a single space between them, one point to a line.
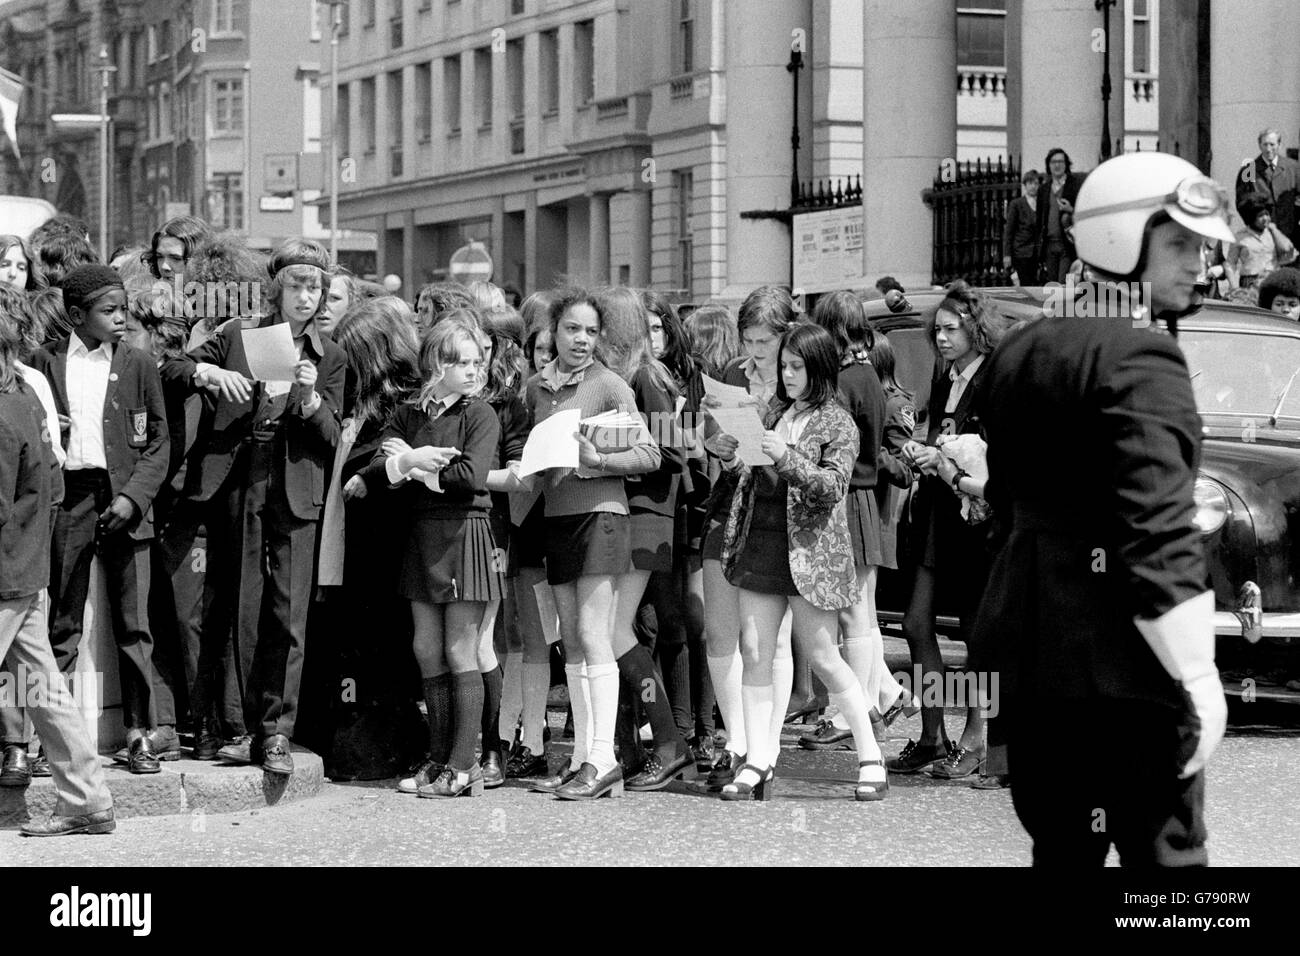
758 117
1254 80
1054 60
598 238
911 127
530 243
1184 69
639 237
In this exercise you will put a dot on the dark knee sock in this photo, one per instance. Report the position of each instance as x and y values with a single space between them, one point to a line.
627 732
491 709
467 707
437 697
674 664
645 685
702 697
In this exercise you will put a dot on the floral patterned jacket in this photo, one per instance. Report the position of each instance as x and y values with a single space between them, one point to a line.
816 470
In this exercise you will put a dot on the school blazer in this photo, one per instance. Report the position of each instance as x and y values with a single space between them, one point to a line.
306 452
816 469
136 445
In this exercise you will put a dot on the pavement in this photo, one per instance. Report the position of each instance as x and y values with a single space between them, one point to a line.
813 821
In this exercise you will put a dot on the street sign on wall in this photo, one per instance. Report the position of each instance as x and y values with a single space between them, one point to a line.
826 249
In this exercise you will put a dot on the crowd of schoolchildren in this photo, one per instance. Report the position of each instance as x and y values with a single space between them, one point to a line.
320 559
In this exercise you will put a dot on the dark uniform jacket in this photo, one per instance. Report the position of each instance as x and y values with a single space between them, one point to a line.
136 440
1276 187
308 443
1093 443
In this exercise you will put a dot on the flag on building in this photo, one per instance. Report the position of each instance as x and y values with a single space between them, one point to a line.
11 91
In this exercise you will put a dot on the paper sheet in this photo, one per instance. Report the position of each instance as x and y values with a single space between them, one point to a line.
546 609
271 353
746 426
728 396
552 444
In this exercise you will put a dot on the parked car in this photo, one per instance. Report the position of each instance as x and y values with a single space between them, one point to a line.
1244 363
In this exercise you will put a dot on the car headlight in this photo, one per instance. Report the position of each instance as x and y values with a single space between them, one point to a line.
1211 505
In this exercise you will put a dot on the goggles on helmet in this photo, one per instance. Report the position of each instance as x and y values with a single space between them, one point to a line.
1197 196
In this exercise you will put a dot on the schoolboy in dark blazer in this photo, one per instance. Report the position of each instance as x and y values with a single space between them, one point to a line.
262 475
111 397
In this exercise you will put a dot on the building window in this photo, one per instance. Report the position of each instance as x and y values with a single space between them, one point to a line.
230 16
228 106
152 34
367 13
311 114
344 126
318 11
395 139
483 87
226 201
423 101
515 73
982 33
684 188
451 93
151 104
1141 36
368 114
550 69
345 15
165 108
194 113
584 61
684 52
395 26
165 40
516 8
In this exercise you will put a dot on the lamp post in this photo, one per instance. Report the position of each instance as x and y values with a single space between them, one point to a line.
793 67
104 69
1104 6
336 18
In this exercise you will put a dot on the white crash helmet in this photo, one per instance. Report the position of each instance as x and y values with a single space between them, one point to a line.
1120 196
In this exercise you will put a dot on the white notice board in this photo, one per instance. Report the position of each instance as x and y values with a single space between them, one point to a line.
827 249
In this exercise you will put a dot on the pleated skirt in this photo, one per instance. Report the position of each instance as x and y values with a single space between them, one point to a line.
452 559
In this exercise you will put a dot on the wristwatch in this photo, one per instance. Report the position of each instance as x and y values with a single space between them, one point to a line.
956 479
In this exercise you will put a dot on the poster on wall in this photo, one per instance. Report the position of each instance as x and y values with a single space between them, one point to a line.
827 249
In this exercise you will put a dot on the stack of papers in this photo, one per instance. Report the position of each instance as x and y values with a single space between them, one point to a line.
613 431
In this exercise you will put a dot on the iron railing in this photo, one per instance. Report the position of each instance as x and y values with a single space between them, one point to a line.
969 201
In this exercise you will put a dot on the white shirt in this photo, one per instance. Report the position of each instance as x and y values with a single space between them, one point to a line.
37 383
960 381
87 387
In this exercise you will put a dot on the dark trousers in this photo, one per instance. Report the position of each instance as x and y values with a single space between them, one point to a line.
257 591
1056 261
77 539
1026 269
1132 798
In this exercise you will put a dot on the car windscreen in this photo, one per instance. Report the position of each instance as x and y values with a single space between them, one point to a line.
1241 372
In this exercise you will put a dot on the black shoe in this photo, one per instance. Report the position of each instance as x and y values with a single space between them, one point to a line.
827 737
240 751
494 774
40 765
140 757
905 705
523 763
758 791
656 774
206 742
916 757
99 822
702 752
555 781
799 713
959 763
724 769
420 775
455 783
164 741
16 770
277 756
588 785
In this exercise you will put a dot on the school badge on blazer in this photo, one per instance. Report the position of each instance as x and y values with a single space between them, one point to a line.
139 426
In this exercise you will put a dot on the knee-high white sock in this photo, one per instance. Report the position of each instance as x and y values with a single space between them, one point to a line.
782 684
881 688
857 654
512 698
602 682
757 703
858 715
536 684
580 701
725 671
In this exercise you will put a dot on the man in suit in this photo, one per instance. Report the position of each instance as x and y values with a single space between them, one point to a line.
1274 179
261 476
1056 198
117 450
1097 605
